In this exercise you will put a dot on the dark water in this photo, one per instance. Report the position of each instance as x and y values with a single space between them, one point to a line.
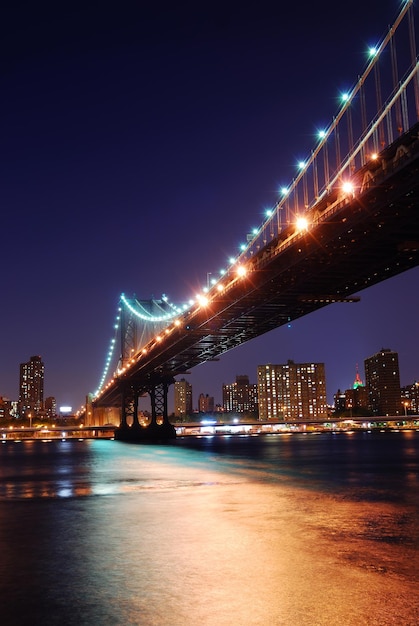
277 529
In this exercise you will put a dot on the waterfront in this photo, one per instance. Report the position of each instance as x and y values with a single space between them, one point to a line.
286 529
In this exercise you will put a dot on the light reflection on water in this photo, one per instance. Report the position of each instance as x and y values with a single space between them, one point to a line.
240 531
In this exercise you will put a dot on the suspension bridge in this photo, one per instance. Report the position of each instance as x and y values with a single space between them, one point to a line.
348 220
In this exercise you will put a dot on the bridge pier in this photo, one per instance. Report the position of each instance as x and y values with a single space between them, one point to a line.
159 429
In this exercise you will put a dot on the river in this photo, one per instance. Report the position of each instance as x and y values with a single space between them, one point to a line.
295 530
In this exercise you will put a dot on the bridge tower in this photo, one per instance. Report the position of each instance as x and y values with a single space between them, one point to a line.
140 321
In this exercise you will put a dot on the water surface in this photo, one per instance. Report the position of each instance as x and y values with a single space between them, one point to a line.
276 529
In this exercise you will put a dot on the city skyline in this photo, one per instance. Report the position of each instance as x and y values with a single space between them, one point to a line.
183 395
139 147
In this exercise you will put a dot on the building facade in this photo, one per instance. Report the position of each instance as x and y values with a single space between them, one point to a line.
410 399
50 408
6 408
205 403
183 398
354 400
294 391
31 387
382 379
241 396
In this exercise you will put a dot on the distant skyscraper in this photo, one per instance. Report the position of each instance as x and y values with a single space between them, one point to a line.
357 397
205 403
31 388
410 399
50 408
382 378
241 396
293 391
5 408
183 398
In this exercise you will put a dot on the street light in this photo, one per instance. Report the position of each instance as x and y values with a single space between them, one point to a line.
30 420
405 408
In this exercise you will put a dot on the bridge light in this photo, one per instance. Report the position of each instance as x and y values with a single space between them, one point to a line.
374 156
345 97
177 323
242 247
321 134
301 165
220 287
268 212
232 260
348 188
302 223
372 51
284 191
202 300
241 270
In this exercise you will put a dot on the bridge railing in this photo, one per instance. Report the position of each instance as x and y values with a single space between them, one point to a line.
380 107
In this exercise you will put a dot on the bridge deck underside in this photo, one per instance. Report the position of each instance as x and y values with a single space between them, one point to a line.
356 244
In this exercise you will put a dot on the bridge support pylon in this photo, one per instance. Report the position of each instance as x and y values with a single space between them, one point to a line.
159 429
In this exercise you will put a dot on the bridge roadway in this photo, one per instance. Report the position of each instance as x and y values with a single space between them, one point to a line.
352 241
219 428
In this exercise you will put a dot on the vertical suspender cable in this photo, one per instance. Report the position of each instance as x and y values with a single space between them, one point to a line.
395 74
413 54
363 123
379 103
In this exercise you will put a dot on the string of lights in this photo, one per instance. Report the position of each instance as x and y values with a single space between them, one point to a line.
257 238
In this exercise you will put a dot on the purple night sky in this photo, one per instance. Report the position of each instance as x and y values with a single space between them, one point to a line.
140 143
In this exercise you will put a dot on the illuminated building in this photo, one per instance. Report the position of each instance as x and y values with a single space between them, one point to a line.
339 401
241 396
410 399
5 408
357 397
382 378
183 398
31 388
50 408
293 391
205 403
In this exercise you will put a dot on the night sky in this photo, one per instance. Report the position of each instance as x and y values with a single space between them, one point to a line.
140 142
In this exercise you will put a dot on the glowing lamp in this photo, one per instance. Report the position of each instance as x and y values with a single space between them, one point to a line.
302 223
202 300
348 188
